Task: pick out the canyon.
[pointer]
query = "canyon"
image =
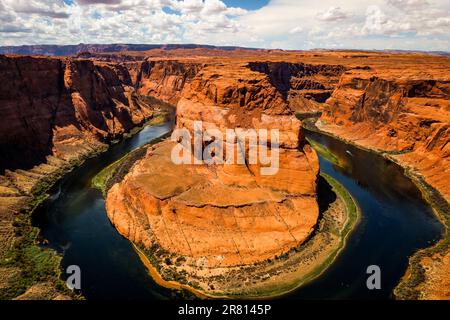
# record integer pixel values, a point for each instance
(55, 114)
(58, 111)
(257, 217)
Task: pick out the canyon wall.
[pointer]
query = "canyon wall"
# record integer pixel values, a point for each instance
(304, 86)
(404, 114)
(407, 118)
(62, 107)
(54, 114)
(214, 217)
(163, 79)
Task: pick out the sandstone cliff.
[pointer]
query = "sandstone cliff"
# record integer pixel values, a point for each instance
(391, 104)
(54, 113)
(305, 86)
(61, 108)
(219, 216)
(408, 118)
(162, 79)
(403, 111)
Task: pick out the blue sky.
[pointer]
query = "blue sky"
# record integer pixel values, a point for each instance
(247, 4)
(285, 24)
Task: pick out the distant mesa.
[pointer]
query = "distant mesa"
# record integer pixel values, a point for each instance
(71, 50)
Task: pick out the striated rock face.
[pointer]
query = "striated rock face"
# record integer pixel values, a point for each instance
(163, 79)
(55, 113)
(61, 108)
(391, 104)
(304, 85)
(403, 111)
(234, 96)
(218, 216)
(409, 118)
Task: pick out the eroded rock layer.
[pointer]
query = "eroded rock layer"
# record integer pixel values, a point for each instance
(54, 114)
(395, 104)
(407, 117)
(222, 215)
(401, 107)
(62, 107)
(216, 215)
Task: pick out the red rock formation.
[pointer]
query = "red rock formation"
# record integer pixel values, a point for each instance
(216, 216)
(304, 85)
(403, 110)
(61, 107)
(54, 113)
(409, 118)
(163, 79)
(219, 216)
(55, 110)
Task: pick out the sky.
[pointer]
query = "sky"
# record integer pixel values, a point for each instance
(282, 24)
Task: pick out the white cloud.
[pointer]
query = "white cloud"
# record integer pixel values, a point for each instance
(377, 22)
(408, 4)
(333, 14)
(296, 30)
(49, 8)
(88, 2)
(288, 24)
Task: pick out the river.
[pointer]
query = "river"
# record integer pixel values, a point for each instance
(395, 222)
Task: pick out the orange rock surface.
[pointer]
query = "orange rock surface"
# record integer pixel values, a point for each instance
(55, 113)
(63, 108)
(216, 215)
(436, 285)
(405, 114)
(222, 215)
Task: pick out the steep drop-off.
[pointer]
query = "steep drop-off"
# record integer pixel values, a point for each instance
(394, 104)
(408, 118)
(61, 108)
(162, 79)
(220, 216)
(55, 113)
(404, 115)
(304, 86)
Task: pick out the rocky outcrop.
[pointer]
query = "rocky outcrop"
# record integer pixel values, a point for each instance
(305, 86)
(408, 118)
(253, 219)
(61, 108)
(405, 116)
(234, 96)
(55, 113)
(375, 104)
(218, 216)
(162, 79)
